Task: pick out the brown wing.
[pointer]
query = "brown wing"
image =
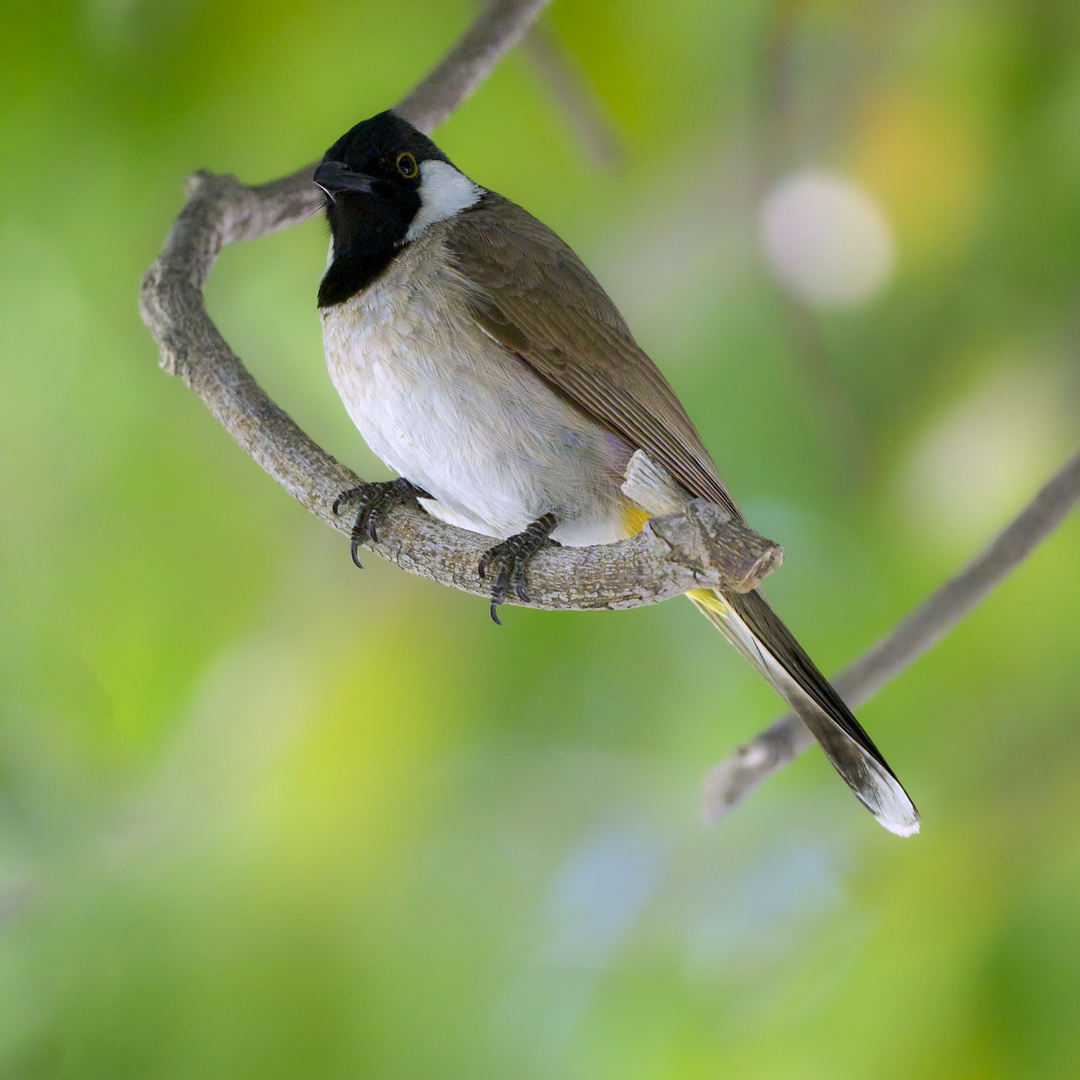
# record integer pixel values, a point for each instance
(536, 297)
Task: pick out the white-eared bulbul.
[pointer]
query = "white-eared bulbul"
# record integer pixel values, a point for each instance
(482, 361)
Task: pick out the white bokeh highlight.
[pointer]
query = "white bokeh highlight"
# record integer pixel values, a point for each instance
(826, 238)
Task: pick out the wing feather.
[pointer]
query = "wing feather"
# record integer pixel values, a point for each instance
(535, 296)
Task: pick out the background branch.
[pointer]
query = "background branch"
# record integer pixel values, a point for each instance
(575, 95)
(753, 762)
(778, 153)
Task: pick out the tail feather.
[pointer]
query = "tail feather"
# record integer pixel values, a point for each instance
(748, 622)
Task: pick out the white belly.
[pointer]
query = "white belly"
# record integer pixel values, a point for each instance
(451, 410)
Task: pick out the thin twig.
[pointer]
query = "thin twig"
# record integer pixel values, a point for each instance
(743, 770)
(575, 96)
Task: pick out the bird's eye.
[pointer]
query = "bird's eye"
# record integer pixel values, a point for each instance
(406, 165)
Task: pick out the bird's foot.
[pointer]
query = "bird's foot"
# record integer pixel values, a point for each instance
(512, 558)
(375, 500)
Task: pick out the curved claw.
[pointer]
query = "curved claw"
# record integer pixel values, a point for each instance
(345, 496)
(375, 499)
(513, 556)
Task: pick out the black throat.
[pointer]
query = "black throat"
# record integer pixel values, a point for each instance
(368, 232)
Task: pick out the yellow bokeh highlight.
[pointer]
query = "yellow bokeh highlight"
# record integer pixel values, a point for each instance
(921, 156)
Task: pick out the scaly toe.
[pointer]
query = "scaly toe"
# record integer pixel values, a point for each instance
(375, 500)
(345, 496)
(513, 556)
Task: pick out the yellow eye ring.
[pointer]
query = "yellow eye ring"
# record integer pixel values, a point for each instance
(406, 165)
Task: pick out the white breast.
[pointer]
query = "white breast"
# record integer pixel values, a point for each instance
(451, 410)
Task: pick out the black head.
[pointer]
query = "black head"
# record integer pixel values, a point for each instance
(371, 177)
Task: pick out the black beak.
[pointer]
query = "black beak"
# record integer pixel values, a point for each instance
(335, 176)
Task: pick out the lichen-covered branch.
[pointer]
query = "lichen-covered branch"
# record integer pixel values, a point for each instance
(753, 762)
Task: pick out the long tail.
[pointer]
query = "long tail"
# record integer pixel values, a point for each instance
(748, 622)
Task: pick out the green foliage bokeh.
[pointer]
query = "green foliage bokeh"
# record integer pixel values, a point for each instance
(264, 816)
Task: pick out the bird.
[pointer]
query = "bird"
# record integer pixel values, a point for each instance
(481, 360)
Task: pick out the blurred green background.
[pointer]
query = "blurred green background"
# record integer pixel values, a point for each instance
(262, 815)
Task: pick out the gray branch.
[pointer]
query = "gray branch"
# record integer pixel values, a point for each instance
(700, 548)
(739, 773)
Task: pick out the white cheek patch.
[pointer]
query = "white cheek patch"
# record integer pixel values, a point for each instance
(443, 192)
